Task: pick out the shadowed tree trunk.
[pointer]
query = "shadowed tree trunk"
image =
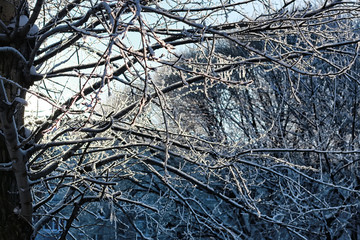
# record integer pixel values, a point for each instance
(15, 197)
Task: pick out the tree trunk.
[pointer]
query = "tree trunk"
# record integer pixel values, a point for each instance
(15, 196)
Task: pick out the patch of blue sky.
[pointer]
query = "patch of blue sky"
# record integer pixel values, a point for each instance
(59, 89)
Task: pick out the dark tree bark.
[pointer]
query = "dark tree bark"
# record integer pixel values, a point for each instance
(15, 196)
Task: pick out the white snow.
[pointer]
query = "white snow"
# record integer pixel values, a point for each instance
(33, 30)
(21, 101)
(11, 26)
(23, 19)
(33, 71)
(27, 132)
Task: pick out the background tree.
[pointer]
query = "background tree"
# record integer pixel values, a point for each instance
(279, 121)
(273, 148)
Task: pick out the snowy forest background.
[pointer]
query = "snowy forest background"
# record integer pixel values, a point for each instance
(179, 119)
